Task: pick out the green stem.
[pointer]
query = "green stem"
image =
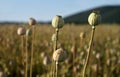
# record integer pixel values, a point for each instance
(33, 38)
(89, 50)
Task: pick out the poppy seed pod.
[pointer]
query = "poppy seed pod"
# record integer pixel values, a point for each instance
(94, 18)
(21, 31)
(57, 22)
(59, 55)
(32, 21)
(28, 32)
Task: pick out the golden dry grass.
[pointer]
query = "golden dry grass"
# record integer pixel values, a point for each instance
(106, 37)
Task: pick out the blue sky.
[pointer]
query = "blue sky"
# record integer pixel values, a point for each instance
(44, 10)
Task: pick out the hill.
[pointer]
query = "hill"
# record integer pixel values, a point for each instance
(110, 14)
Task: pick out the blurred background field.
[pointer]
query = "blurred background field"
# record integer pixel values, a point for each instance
(74, 37)
(104, 59)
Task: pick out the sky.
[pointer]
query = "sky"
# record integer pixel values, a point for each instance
(45, 10)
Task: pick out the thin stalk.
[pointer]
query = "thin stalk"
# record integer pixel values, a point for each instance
(55, 45)
(26, 56)
(73, 62)
(22, 45)
(52, 68)
(57, 69)
(22, 53)
(89, 50)
(55, 48)
(31, 62)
